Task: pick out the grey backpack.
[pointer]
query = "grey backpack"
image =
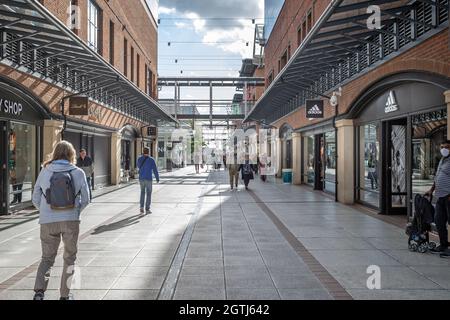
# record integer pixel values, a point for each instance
(61, 195)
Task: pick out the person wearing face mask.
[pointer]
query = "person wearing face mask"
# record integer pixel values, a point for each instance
(441, 188)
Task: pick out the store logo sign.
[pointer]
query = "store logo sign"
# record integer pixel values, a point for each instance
(314, 109)
(391, 104)
(11, 107)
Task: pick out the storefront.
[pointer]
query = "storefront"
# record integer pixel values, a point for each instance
(97, 142)
(400, 124)
(129, 147)
(286, 146)
(21, 121)
(319, 157)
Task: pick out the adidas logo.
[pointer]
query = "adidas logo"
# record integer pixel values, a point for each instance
(391, 104)
(315, 110)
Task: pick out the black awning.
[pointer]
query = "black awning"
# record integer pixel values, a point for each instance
(341, 46)
(34, 41)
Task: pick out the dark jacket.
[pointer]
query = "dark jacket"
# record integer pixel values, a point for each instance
(87, 165)
(252, 168)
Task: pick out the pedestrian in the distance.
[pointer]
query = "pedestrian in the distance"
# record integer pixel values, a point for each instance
(247, 170)
(233, 171)
(85, 163)
(60, 194)
(147, 168)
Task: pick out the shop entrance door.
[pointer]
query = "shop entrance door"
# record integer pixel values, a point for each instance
(319, 166)
(395, 184)
(288, 154)
(3, 169)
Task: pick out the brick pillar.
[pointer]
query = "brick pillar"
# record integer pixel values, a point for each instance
(115, 157)
(345, 161)
(447, 100)
(297, 157)
(51, 136)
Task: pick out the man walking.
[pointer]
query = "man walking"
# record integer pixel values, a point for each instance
(233, 171)
(85, 163)
(147, 167)
(441, 188)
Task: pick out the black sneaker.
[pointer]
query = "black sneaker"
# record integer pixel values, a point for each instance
(439, 249)
(70, 297)
(38, 296)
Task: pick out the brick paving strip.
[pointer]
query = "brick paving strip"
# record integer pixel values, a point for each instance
(328, 281)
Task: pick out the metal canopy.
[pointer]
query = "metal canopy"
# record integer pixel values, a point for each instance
(340, 46)
(34, 41)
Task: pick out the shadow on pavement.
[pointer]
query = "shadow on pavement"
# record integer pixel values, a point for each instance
(118, 224)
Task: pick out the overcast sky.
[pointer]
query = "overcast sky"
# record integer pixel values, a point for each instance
(217, 46)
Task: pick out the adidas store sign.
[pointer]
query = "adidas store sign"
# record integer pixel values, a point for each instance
(314, 109)
(391, 104)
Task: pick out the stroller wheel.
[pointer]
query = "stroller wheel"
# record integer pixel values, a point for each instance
(432, 245)
(413, 247)
(423, 248)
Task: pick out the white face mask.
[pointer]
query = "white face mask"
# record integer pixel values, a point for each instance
(445, 152)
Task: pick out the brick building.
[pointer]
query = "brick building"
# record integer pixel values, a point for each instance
(361, 107)
(81, 70)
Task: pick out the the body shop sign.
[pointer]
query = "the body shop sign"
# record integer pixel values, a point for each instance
(14, 105)
(11, 107)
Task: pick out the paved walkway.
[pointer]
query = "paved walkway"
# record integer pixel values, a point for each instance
(203, 241)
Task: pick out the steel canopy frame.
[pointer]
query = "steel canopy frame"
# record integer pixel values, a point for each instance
(34, 41)
(340, 46)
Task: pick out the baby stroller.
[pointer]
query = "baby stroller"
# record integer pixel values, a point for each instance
(418, 230)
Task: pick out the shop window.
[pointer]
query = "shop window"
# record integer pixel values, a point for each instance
(21, 163)
(330, 162)
(369, 164)
(309, 160)
(429, 130)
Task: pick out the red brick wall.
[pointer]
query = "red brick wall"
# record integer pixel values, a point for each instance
(285, 30)
(130, 20)
(432, 55)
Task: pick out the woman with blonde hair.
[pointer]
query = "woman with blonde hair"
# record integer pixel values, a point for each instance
(60, 194)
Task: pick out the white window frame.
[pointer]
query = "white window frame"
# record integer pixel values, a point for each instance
(93, 27)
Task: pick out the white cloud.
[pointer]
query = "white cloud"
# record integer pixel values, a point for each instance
(165, 10)
(181, 25)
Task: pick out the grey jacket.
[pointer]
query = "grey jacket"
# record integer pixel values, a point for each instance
(46, 214)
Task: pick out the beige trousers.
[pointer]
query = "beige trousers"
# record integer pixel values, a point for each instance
(234, 176)
(51, 235)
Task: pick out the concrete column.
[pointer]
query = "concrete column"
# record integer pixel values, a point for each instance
(345, 161)
(297, 157)
(51, 136)
(279, 156)
(447, 101)
(115, 157)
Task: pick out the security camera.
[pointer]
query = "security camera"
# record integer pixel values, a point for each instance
(334, 98)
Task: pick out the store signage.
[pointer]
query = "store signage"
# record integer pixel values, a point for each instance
(79, 106)
(11, 107)
(151, 131)
(95, 113)
(391, 104)
(314, 109)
